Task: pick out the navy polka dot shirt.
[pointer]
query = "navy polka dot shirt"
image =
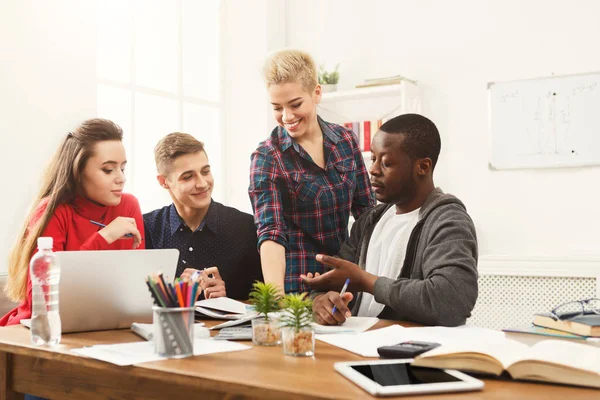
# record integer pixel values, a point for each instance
(225, 239)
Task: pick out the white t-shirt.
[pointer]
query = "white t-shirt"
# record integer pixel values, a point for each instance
(387, 248)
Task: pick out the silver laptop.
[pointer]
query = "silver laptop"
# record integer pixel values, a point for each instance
(102, 290)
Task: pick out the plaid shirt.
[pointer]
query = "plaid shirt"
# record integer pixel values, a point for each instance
(303, 207)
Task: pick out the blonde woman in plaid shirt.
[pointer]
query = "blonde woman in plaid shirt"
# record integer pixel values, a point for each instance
(305, 178)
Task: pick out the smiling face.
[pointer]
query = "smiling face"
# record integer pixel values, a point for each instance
(393, 175)
(294, 108)
(189, 181)
(103, 176)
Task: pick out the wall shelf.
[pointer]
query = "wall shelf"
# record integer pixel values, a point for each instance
(363, 93)
(370, 104)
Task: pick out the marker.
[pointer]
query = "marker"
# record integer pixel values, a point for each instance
(342, 293)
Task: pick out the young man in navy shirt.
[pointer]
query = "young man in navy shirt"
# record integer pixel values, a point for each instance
(217, 240)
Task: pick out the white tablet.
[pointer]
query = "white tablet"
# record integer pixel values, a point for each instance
(398, 377)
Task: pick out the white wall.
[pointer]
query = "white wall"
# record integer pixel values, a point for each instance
(251, 29)
(454, 49)
(47, 86)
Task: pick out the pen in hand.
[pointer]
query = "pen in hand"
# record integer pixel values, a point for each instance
(342, 293)
(104, 226)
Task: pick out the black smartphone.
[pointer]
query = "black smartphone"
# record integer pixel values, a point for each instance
(409, 349)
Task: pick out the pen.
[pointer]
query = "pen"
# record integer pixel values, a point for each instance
(104, 226)
(342, 293)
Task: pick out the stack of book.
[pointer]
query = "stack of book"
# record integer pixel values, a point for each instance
(584, 325)
(389, 80)
(364, 132)
(575, 326)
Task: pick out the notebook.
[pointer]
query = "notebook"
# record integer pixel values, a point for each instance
(555, 361)
(224, 308)
(579, 324)
(146, 331)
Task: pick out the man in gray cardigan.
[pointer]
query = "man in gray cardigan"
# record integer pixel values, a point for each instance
(412, 258)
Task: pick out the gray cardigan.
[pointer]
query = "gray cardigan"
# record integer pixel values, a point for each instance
(438, 281)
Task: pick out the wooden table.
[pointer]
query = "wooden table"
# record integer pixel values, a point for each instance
(259, 373)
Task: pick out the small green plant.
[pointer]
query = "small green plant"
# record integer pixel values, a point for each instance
(298, 311)
(265, 298)
(328, 77)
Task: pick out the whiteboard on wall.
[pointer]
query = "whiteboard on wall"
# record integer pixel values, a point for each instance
(545, 123)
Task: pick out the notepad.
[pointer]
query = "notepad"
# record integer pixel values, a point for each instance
(141, 352)
(352, 325)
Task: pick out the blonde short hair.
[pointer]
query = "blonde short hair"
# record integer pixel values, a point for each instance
(285, 66)
(172, 146)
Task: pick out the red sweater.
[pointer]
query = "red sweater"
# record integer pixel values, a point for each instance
(71, 229)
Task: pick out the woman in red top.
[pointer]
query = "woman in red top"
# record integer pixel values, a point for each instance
(83, 183)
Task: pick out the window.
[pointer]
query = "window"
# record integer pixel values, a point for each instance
(158, 68)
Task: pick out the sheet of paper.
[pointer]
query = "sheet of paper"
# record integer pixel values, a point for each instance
(141, 352)
(352, 325)
(223, 304)
(366, 343)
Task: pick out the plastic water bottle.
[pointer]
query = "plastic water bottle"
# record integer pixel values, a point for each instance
(45, 274)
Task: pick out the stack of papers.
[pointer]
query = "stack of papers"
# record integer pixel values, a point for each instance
(141, 352)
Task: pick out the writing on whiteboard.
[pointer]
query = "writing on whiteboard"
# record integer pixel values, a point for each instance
(549, 122)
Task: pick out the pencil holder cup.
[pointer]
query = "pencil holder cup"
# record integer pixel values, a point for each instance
(173, 331)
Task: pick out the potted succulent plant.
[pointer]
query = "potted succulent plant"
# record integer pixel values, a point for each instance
(298, 333)
(266, 300)
(328, 79)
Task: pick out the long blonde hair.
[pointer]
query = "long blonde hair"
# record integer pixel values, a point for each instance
(61, 183)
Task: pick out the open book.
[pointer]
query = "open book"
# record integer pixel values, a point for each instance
(547, 361)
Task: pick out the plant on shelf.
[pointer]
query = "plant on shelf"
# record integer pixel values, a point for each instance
(328, 79)
(266, 299)
(297, 331)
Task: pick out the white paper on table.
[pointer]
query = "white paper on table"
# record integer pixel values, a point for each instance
(352, 325)
(366, 343)
(141, 352)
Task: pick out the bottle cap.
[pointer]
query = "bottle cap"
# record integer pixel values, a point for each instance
(45, 243)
